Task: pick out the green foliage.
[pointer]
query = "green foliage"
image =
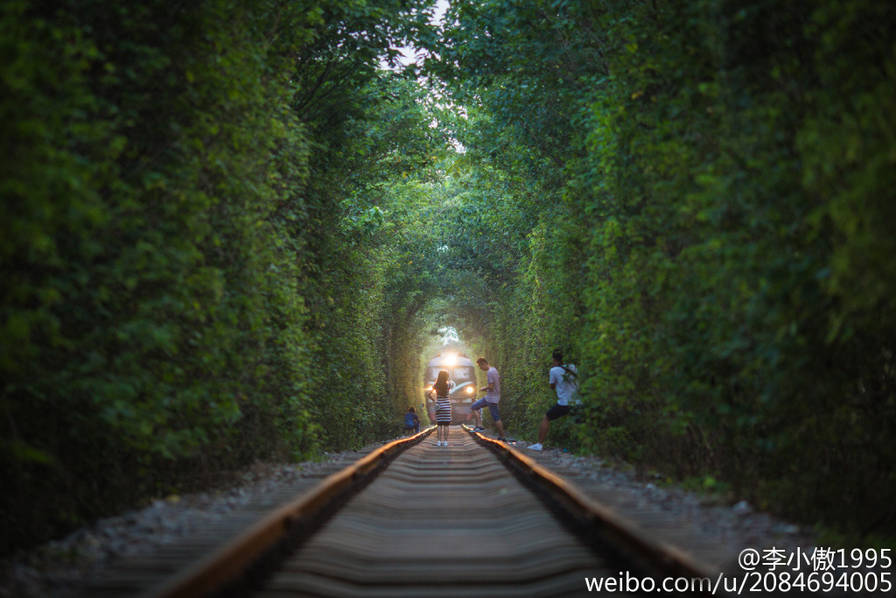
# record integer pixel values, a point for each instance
(173, 243)
(228, 232)
(700, 200)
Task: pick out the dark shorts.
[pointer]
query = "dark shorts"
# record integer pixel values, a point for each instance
(557, 411)
(492, 408)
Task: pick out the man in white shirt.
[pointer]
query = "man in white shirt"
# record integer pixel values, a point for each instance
(563, 380)
(492, 396)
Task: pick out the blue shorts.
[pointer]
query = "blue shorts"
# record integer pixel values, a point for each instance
(492, 408)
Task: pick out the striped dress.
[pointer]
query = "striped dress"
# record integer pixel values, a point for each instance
(443, 410)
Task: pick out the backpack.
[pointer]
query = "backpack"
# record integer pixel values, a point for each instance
(576, 412)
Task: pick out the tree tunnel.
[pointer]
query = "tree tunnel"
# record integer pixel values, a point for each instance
(229, 232)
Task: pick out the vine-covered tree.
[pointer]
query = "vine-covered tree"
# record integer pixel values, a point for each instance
(685, 170)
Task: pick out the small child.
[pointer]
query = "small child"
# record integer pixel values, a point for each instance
(411, 421)
(443, 408)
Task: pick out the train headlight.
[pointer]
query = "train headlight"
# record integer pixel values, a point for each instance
(469, 390)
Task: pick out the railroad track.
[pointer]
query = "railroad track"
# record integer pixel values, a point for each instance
(414, 519)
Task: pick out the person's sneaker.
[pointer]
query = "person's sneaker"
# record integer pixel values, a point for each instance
(479, 429)
(536, 447)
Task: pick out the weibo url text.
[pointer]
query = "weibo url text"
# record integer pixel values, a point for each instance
(773, 570)
(751, 582)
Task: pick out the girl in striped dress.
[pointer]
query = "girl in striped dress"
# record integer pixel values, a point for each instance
(440, 389)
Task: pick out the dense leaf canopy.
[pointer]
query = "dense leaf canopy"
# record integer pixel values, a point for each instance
(229, 231)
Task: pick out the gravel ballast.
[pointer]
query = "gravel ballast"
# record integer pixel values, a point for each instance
(715, 531)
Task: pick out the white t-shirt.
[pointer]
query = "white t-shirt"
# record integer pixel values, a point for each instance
(565, 384)
(492, 377)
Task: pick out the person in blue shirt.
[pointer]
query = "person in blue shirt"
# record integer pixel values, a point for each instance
(411, 421)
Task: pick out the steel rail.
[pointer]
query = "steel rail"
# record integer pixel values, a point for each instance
(594, 522)
(221, 568)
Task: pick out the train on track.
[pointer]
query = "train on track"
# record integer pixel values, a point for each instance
(462, 376)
